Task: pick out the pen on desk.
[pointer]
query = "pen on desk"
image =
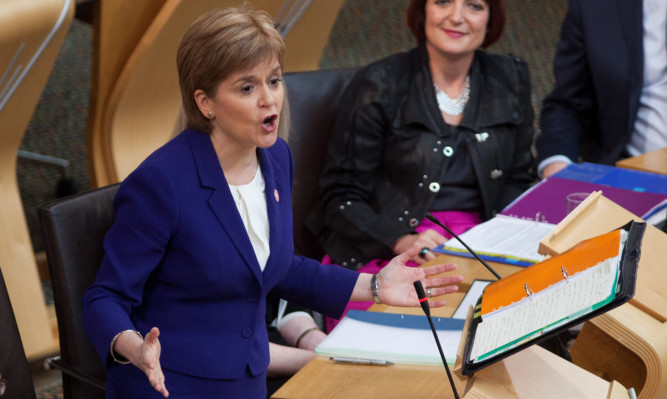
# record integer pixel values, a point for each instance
(356, 360)
(632, 393)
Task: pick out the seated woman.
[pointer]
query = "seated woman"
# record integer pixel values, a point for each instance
(444, 128)
(203, 232)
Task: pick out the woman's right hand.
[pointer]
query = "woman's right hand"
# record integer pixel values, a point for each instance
(145, 354)
(426, 239)
(553, 168)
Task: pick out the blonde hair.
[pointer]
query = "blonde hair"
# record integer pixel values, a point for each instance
(218, 43)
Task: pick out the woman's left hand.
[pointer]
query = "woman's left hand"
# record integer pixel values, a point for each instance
(395, 282)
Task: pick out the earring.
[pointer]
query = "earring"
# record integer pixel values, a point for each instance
(210, 114)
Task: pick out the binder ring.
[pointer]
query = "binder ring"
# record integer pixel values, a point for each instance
(566, 274)
(529, 290)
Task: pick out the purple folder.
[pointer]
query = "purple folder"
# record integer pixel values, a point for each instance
(547, 200)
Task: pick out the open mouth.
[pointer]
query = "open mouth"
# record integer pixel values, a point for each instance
(269, 123)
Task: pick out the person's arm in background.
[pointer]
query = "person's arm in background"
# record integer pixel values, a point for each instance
(568, 112)
(286, 360)
(302, 336)
(553, 165)
(300, 330)
(293, 336)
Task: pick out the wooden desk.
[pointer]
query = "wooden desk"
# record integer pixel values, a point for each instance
(654, 161)
(523, 372)
(520, 373)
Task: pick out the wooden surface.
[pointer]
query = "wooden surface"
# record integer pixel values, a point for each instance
(538, 373)
(135, 91)
(305, 43)
(322, 379)
(27, 26)
(117, 28)
(629, 343)
(518, 376)
(654, 161)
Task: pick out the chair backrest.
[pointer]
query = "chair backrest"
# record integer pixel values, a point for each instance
(313, 98)
(15, 377)
(74, 229)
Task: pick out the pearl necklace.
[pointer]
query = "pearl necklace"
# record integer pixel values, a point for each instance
(453, 106)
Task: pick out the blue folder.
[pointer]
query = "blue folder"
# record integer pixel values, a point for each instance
(612, 176)
(405, 320)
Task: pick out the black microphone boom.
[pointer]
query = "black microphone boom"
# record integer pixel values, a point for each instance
(423, 301)
(436, 221)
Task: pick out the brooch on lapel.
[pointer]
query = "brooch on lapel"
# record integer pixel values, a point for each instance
(275, 194)
(481, 137)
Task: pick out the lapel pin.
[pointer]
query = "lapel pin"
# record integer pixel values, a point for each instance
(495, 174)
(481, 137)
(275, 194)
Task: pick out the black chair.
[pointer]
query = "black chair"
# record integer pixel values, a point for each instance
(15, 378)
(313, 99)
(74, 229)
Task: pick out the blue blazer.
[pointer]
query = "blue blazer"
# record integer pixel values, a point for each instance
(178, 257)
(599, 66)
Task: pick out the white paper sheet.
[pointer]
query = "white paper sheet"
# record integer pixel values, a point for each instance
(355, 338)
(505, 236)
(470, 299)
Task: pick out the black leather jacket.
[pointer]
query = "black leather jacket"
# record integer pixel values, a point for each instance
(386, 150)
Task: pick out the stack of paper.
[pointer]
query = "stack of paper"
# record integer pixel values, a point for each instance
(502, 239)
(393, 337)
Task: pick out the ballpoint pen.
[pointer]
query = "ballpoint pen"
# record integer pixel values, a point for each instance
(356, 360)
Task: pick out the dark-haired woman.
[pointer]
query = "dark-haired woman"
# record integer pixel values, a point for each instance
(444, 128)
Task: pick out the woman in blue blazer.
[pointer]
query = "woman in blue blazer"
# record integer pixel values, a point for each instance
(203, 231)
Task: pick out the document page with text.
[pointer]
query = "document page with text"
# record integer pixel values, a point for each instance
(537, 313)
(504, 236)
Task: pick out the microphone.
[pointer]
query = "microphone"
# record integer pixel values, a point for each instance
(423, 301)
(436, 221)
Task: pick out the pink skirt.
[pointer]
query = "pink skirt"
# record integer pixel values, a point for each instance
(456, 221)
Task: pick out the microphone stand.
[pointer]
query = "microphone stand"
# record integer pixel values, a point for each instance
(436, 221)
(423, 301)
